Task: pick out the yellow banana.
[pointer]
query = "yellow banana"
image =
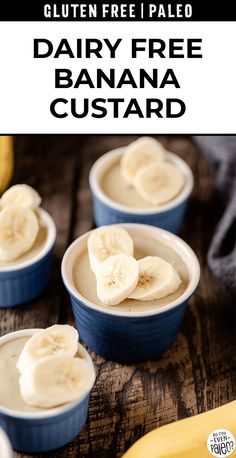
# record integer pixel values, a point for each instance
(188, 438)
(6, 161)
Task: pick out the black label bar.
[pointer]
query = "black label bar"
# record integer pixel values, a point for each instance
(41, 10)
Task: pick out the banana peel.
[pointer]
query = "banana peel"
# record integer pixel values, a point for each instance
(188, 438)
(6, 161)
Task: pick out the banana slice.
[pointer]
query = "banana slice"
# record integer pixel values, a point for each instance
(21, 194)
(54, 380)
(18, 231)
(117, 278)
(159, 183)
(107, 241)
(140, 153)
(157, 279)
(59, 338)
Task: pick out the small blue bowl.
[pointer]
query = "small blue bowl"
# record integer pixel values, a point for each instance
(130, 336)
(106, 211)
(26, 280)
(37, 432)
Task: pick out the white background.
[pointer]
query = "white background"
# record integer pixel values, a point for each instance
(207, 84)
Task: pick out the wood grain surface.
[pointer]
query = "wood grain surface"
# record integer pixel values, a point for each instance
(198, 372)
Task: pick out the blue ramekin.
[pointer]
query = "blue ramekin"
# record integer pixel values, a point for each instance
(130, 336)
(107, 211)
(24, 281)
(5, 446)
(37, 432)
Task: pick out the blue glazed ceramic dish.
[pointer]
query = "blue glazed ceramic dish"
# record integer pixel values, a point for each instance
(24, 281)
(106, 211)
(37, 432)
(130, 336)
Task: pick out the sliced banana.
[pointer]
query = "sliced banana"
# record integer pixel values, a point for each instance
(20, 194)
(54, 380)
(108, 241)
(140, 153)
(117, 278)
(159, 183)
(19, 228)
(157, 279)
(59, 338)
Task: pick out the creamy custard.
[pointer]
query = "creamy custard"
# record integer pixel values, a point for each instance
(9, 376)
(34, 251)
(10, 395)
(118, 190)
(85, 282)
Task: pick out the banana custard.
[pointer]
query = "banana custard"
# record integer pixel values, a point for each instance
(144, 177)
(23, 233)
(129, 273)
(43, 371)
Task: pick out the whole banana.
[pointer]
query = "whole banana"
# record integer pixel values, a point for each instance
(6, 161)
(188, 438)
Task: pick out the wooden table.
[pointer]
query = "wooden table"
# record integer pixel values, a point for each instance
(198, 372)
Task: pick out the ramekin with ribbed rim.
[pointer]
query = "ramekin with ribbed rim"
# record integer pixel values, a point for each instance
(37, 432)
(5, 446)
(24, 281)
(130, 336)
(106, 211)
